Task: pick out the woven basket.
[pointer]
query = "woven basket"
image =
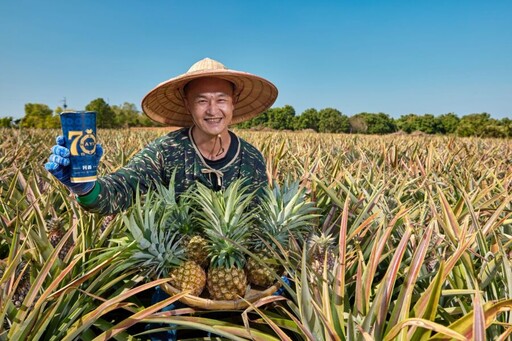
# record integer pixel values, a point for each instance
(208, 304)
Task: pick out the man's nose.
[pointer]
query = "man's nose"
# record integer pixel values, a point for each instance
(212, 107)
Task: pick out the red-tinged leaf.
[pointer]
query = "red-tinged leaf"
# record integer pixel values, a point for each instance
(380, 305)
(88, 319)
(464, 325)
(431, 304)
(421, 305)
(424, 324)
(137, 317)
(268, 320)
(479, 318)
(451, 226)
(403, 302)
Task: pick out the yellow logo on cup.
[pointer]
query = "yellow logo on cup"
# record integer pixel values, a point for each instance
(86, 142)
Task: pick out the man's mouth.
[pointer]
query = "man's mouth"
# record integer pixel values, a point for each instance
(213, 119)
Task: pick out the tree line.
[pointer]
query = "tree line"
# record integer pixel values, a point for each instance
(327, 120)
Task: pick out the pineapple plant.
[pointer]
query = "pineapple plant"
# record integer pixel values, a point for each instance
(182, 219)
(159, 250)
(55, 234)
(226, 218)
(321, 251)
(284, 214)
(23, 278)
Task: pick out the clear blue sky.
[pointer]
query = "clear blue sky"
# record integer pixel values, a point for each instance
(396, 57)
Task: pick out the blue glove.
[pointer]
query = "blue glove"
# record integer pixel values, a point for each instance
(281, 289)
(60, 168)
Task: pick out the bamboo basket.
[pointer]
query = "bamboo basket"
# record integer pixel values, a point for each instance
(208, 304)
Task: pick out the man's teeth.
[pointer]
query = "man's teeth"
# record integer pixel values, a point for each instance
(213, 119)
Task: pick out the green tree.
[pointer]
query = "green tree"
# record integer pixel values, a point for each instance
(104, 113)
(333, 121)
(259, 121)
(408, 123)
(427, 123)
(448, 123)
(281, 118)
(507, 125)
(126, 115)
(36, 116)
(370, 123)
(473, 125)
(307, 120)
(6, 122)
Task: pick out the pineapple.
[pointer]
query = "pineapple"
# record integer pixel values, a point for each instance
(189, 276)
(181, 218)
(226, 220)
(321, 249)
(284, 215)
(55, 234)
(196, 246)
(23, 286)
(157, 249)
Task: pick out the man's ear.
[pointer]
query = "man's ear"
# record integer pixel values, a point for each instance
(186, 102)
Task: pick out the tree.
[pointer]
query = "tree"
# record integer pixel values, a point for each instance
(126, 115)
(6, 122)
(473, 125)
(281, 118)
(259, 121)
(427, 123)
(36, 116)
(407, 123)
(333, 121)
(507, 125)
(307, 120)
(448, 123)
(370, 123)
(104, 113)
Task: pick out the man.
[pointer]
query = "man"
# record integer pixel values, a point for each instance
(204, 101)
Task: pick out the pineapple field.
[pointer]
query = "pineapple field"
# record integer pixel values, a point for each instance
(359, 237)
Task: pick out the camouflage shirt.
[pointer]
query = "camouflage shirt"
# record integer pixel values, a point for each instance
(156, 163)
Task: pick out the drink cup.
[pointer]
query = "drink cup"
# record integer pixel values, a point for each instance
(79, 129)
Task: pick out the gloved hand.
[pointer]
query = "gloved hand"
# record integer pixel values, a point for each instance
(59, 167)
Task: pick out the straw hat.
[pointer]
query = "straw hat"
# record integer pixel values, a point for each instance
(165, 103)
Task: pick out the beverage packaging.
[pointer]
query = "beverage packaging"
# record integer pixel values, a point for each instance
(79, 129)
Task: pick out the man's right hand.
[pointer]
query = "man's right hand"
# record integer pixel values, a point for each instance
(59, 166)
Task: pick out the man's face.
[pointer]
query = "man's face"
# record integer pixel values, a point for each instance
(210, 102)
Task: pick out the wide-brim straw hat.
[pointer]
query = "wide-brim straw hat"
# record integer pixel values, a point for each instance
(253, 94)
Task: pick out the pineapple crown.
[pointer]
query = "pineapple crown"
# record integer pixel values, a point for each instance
(153, 246)
(181, 216)
(284, 212)
(226, 218)
(321, 242)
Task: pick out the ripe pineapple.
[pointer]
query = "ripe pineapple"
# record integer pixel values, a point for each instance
(189, 276)
(196, 245)
(284, 214)
(182, 219)
(226, 220)
(321, 248)
(24, 285)
(158, 249)
(55, 233)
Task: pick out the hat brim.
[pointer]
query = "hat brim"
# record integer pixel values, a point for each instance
(164, 104)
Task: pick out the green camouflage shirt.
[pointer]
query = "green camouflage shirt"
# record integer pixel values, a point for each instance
(156, 163)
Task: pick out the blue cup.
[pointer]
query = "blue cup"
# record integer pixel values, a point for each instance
(79, 130)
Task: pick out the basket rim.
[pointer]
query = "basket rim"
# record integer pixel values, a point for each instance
(209, 304)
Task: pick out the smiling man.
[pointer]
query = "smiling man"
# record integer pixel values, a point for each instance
(205, 101)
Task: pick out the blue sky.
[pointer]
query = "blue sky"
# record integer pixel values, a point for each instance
(396, 57)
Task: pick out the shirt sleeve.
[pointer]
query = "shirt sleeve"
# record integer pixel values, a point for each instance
(117, 190)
